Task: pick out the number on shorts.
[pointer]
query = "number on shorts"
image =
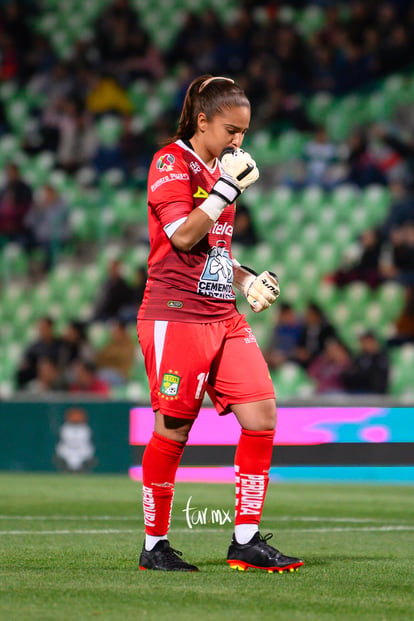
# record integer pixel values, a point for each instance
(202, 379)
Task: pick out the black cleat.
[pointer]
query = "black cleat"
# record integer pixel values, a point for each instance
(164, 558)
(258, 554)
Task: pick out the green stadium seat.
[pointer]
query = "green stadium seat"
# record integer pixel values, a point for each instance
(291, 381)
(282, 198)
(391, 298)
(380, 106)
(312, 199)
(338, 124)
(109, 129)
(344, 199)
(327, 295)
(13, 261)
(290, 145)
(311, 19)
(376, 200)
(319, 105)
(395, 87)
(9, 147)
(136, 391)
(401, 381)
(98, 334)
(357, 296)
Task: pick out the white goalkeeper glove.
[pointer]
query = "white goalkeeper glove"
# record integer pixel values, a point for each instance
(260, 290)
(240, 166)
(239, 171)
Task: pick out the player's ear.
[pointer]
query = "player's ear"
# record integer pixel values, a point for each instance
(202, 122)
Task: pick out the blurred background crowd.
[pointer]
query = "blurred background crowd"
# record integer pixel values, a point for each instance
(88, 91)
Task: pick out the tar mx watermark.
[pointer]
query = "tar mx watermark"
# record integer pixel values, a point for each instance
(195, 516)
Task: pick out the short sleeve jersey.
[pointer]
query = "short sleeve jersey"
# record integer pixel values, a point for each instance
(194, 286)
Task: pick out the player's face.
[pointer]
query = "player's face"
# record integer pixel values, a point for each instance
(226, 129)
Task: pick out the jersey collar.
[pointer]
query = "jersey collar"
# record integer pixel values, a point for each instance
(187, 146)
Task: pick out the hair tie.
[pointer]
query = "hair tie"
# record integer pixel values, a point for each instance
(206, 82)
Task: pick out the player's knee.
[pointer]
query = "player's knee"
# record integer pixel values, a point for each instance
(268, 420)
(176, 429)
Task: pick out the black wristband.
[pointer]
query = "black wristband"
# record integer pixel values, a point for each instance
(227, 190)
(248, 269)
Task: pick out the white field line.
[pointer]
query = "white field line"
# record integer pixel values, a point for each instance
(138, 518)
(209, 531)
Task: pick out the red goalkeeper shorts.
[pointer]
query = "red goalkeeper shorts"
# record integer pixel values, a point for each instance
(184, 360)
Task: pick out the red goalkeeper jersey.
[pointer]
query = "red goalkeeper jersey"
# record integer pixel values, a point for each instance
(191, 286)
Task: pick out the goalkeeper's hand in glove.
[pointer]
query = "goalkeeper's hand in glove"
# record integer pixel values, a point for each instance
(260, 290)
(239, 171)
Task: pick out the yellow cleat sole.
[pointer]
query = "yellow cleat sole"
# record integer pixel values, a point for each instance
(240, 567)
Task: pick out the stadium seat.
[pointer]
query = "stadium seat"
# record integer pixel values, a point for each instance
(391, 297)
(344, 198)
(357, 297)
(290, 145)
(376, 200)
(109, 130)
(291, 381)
(401, 381)
(319, 105)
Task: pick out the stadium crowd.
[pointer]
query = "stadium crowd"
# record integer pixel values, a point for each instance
(278, 66)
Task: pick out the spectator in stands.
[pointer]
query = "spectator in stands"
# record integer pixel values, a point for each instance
(15, 202)
(74, 345)
(48, 378)
(128, 313)
(281, 110)
(368, 372)
(395, 50)
(404, 324)
(86, 380)
(4, 125)
(134, 145)
(112, 29)
(366, 267)
(323, 69)
(109, 155)
(58, 82)
(47, 224)
(321, 155)
(285, 336)
(402, 147)
(115, 294)
(244, 230)
(196, 30)
(362, 167)
(46, 346)
(353, 66)
(106, 95)
(316, 330)
(9, 60)
(143, 59)
(116, 359)
(77, 140)
(401, 210)
(328, 368)
(402, 254)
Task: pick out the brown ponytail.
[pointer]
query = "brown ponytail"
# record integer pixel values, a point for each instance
(208, 94)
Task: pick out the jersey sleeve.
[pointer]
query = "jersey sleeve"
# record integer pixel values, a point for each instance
(169, 189)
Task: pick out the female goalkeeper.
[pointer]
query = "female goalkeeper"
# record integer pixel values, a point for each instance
(193, 337)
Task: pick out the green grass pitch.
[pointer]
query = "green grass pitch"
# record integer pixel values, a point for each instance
(69, 548)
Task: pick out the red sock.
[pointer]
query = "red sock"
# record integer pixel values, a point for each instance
(159, 466)
(252, 463)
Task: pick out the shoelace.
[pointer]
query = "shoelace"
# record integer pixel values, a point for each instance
(265, 538)
(171, 555)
